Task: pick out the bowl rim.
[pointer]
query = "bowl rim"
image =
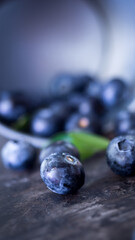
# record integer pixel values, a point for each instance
(14, 135)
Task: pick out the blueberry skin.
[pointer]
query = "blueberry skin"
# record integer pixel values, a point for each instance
(12, 106)
(18, 155)
(121, 155)
(59, 147)
(45, 123)
(74, 100)
(113, 93)
(90, 106)
(61, 109)
(62, 173)
(124, 122)
(93, 89)
(117, 123)
(65, 84)
(82, 122)
(85, 104)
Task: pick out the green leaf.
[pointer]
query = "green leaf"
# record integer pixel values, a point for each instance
(22, 124)
(87, 144)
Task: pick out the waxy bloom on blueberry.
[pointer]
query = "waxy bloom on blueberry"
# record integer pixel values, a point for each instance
(62, 173)
(121, 155)
(18, 155)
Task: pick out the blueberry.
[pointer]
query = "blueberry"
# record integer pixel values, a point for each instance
(45, 123)
(74, 100)
(131, 132)
(12, 106)
(62, 173)
(82, 122)
(113, 93)
(93, 89)
(61, 109)
(85, 104)
(65, 84)
(59, 147)
(18, 155)
(118, 123)
(121, 155)
(124, 122)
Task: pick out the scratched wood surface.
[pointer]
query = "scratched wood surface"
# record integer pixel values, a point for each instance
(104, 209)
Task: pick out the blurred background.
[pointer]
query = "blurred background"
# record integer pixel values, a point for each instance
(40, 39)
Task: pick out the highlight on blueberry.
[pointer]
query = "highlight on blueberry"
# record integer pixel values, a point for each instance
(45, 123)
(18, 155)
(114, 92)
(62, 173)
(59, 147)
(82, 122)
(12, 106)
(121, 155)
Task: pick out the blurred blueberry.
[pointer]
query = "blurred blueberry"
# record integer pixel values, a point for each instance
(124, 122)
(93, 89)
(65, 84)
(113, 93)
(45, 123)
(82, 122)
(62, 173)
(121, 155)
(85, 104)
(61, 109)
(12, 106)
(18, 155)
(59, 147)
(131, 132)
(117, 123)
(75, 99)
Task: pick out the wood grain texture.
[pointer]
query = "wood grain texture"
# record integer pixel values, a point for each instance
(104, 209)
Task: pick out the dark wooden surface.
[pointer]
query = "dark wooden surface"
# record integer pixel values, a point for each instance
(104, 209)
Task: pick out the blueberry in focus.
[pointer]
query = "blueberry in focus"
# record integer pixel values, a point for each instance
(82, 122)
(113, 93)
(62, 173)
(12, 106)
(59, 147)
(45, 123)
(121, 155)
(18, 155)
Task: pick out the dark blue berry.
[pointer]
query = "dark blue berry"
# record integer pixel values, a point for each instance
(93, 89)
(62, 173)
(113, 93)
(61, 109)
(18, 155)
(118, 123)
(65, 84)
(59, 147)
(124, 122)
(45, 123)
(121, 155)
(12, 106)
(74, 100)
(85, 104)
(82, 122)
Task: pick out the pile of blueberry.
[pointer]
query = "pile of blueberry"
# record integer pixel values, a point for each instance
(73, 103)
